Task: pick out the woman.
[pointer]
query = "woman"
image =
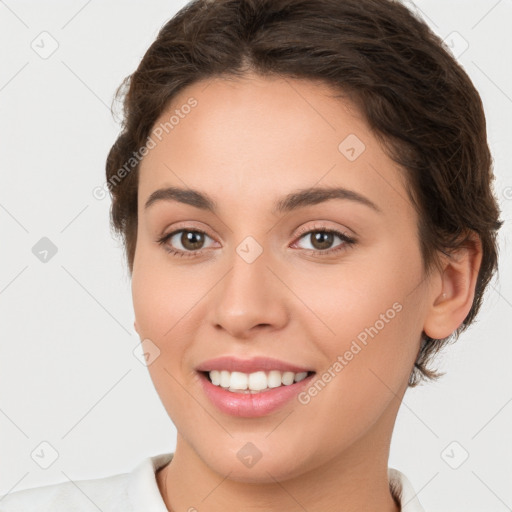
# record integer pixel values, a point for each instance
(304, 193)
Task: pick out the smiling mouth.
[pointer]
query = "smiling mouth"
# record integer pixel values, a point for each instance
(256, 382)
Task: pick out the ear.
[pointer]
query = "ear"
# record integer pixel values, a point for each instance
(452, 296)
(135, 327)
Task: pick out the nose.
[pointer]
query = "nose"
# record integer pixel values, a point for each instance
(249, 298)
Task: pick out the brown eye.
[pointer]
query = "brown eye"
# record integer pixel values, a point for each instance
(322, 240)
(191, 240)
(184, 242)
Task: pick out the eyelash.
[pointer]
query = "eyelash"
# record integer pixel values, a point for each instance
(347, 241)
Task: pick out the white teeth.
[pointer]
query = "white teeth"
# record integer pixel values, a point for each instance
(225, 377)
(287, 378)
(240, 382)
(215, 377)
(257, 381)
(300, 376)
(274, 379)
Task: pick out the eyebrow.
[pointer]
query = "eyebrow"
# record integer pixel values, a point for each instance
(293, 201)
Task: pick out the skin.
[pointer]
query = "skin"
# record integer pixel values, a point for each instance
(247, 143)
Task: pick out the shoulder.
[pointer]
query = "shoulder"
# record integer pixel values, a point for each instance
(107, 494)
(125, 492)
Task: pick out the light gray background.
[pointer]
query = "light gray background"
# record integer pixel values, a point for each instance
(68, 374)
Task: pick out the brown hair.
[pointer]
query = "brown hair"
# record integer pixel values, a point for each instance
(414, 95)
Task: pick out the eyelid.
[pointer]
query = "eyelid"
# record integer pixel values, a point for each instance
(322, 227)
(185, 226)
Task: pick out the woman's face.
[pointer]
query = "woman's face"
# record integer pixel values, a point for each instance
(263, 281)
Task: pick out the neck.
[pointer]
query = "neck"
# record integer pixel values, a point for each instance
(354, 480)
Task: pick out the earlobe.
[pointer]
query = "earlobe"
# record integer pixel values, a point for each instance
(452, 302)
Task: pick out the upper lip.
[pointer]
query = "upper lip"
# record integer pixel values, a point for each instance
(234, 364)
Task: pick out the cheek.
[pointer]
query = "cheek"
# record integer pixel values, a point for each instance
(162, 299)
(162, 292)
(169, 305)
(367, 288)
(369, 359)
(371, 312)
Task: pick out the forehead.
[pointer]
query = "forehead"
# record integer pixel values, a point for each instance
(257, 137)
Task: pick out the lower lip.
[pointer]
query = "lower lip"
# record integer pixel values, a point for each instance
(251, 405)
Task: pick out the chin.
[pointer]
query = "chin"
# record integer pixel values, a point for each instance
(259, 466)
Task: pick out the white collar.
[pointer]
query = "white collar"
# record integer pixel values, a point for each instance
(403, 489)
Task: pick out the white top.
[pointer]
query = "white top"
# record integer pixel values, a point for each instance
(138, 491)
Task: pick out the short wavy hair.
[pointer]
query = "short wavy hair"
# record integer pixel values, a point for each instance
(414, 95)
